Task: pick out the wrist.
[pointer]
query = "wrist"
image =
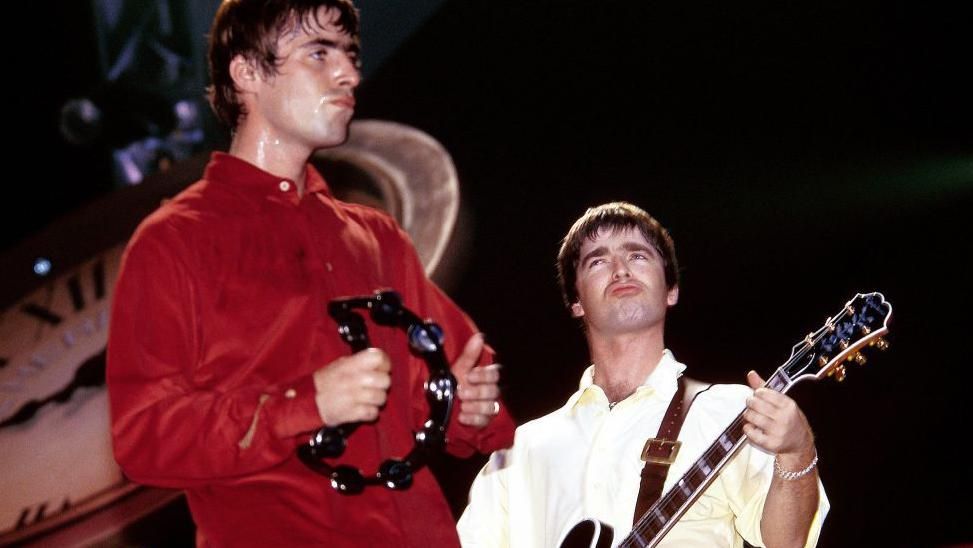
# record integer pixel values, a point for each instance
(788, 471)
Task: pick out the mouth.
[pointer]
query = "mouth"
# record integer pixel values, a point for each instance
(344, 101)
(619, 289)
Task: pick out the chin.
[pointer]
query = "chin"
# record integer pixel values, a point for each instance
(332, 140)
(633, 319)
(328, 133)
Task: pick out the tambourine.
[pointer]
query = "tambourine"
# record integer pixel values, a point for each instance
(426, 340)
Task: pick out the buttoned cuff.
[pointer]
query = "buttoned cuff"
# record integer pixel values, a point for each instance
(462, 440)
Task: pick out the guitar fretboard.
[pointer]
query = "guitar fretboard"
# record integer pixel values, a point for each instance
(671, 506)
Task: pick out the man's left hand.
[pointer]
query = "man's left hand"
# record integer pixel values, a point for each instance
(478, 391)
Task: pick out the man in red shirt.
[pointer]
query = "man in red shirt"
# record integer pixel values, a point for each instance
(222, 358)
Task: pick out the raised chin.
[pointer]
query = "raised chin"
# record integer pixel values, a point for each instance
(633, 313)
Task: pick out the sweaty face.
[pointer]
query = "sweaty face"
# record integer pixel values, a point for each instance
(310, 101)
(621, 283)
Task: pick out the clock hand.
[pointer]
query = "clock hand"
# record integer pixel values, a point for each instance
(91, 373)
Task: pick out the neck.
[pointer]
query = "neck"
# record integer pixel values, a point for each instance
(270, 153)
(624, 361)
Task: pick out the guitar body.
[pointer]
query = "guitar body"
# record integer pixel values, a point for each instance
(589, 533)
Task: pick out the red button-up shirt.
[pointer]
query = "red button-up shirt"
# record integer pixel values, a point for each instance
(218, 323)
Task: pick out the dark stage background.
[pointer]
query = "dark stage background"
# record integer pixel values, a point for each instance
(799, 153)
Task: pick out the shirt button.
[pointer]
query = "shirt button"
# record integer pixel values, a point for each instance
(284, 186)
(290, 394)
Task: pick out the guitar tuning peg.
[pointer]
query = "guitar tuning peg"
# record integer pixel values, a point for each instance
(859, 358)
(881, 344)
(839, 373)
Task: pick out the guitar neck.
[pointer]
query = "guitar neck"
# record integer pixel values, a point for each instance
(860, 323)
(657, 520)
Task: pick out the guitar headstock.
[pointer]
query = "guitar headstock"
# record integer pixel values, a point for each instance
(861, 323)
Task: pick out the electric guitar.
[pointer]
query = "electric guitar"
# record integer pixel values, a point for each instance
(823, 353)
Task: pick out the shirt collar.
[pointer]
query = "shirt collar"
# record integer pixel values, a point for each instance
(250, 179)
(661, 381)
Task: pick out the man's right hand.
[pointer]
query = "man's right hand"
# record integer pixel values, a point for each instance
(353, 388)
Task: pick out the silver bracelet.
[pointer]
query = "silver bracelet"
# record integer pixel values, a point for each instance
(790, 476)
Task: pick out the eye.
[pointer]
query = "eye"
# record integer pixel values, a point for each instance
(640, 256)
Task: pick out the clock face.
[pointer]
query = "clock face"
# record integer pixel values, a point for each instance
(55, 446)
(59, 483)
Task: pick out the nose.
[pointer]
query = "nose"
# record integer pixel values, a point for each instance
(620, 269)
(346, 73)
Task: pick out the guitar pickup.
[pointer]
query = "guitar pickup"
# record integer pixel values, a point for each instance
(659, 451)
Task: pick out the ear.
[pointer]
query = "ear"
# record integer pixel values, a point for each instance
(577, 310)
(672, 297)
(244, 73)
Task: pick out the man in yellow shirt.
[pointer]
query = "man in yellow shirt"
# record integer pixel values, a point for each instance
(619, 275)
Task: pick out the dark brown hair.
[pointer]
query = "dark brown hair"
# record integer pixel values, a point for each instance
(612, 216)
(251, 28)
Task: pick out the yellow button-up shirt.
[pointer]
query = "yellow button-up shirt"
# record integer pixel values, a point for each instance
(582, 461)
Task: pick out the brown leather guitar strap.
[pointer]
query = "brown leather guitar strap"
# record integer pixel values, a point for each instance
(659, 452)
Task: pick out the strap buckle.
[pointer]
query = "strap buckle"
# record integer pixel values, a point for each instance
(672, 447)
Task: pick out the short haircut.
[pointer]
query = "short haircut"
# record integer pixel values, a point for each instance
(612, 216)
(251, 28)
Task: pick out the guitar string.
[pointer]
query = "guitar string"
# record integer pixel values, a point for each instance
(644, 523)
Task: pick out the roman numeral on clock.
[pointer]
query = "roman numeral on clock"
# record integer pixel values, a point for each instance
(41, 313)
(34, 514)
(76, 293)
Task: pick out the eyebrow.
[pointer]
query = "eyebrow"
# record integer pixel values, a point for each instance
(602, 250)
(350, 47)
